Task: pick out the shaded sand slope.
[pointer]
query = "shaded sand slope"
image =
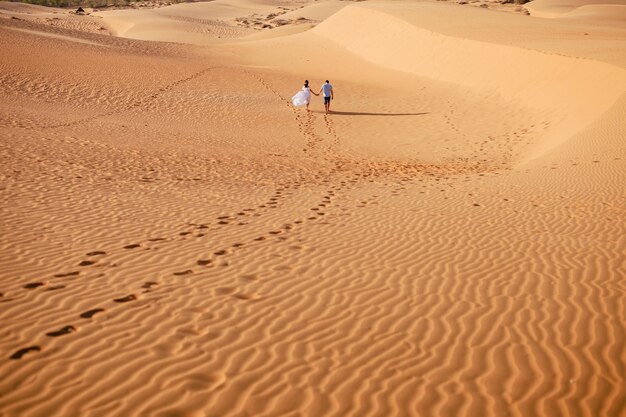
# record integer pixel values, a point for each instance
(176, 240)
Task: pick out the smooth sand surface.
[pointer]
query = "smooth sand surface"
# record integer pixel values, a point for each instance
(178, 240)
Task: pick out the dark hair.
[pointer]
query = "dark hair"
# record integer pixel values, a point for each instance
(306, 83)
(327, 81)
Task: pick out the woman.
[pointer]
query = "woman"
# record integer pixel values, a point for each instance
(303, 97)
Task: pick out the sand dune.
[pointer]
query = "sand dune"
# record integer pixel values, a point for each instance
(178, 240)
(225, 20)
(560, 9)
(529, 79)
(602, 13)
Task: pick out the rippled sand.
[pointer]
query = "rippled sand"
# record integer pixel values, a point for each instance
(178, 240)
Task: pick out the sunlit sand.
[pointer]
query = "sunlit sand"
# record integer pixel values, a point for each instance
(179, 240)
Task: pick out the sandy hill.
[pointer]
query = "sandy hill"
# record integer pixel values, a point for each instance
(178, 240)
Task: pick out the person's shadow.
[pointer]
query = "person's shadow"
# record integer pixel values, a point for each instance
(354, 113)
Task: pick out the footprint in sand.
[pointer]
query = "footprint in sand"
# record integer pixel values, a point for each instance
(126, 299)
(226, 290)
(96, 253)
(156, 239)
(185, 272)
(251, 277)
(198, 382)
(67, 274)
(90, 313)
(204, 262)
(55, 287)
(283, 268)
(247, 296)
(149, 284)
(24, 351)
(62, 331)
(32, 285)
(86, 263)
(132, 246)
(220, 252)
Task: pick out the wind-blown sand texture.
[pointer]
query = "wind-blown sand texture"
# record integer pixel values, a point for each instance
(178, 240)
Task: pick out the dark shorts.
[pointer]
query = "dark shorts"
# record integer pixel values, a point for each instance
(326, 100)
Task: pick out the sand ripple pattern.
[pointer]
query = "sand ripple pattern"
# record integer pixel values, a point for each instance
(153, 265)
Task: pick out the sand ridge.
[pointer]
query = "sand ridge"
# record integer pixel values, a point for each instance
(177, 239)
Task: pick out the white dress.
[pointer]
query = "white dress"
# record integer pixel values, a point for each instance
(302, 97)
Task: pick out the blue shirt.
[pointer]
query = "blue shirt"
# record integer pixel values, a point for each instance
(326, 88)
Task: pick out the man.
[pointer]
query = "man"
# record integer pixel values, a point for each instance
(327, 89)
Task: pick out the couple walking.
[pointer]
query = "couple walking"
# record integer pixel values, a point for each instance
(303, 97)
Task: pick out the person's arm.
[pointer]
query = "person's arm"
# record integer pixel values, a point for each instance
(332, 94)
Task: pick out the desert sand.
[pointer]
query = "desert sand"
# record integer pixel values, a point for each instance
(178, 240)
